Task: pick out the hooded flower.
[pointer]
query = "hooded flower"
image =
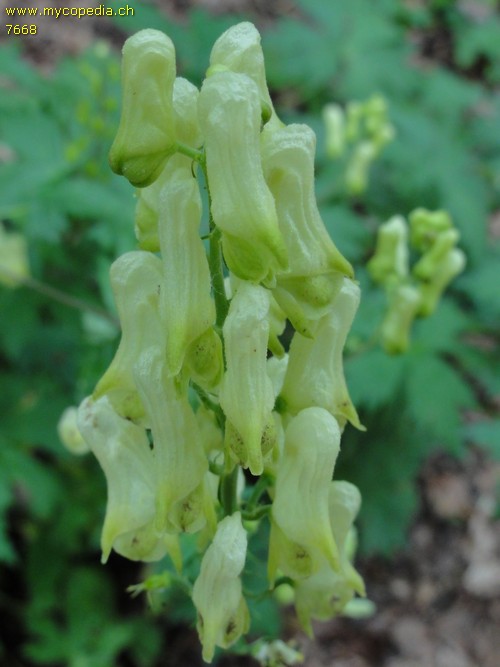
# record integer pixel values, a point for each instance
(301, 534)
(187, 307)
(123, 451)
(325, 593)
(146, 134)
(390, 260)
(187, 131)
(404, 302)
(181, 463)
(217, 594)
(242, 205)
(246, 393)
(315, 373)
(452, 264)
(239, 50)
(136, 280)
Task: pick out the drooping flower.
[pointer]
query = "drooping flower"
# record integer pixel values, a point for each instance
(326, 592)
(146, 134)
(239, 50)
(181, 463)
(242, 205)
(123, 451)
(136, 280)
(187, 132)
(315, 373)
(217, 593)
(246, 393)
(301, 534)
(390, 261)
(186, 306)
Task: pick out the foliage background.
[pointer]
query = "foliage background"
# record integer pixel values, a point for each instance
(438, 65)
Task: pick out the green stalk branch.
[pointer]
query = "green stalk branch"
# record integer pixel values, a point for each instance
(59, 296)
(228, 495)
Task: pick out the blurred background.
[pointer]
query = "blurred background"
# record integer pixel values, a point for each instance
(428, 466)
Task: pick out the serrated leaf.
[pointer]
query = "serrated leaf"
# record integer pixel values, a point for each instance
(441, 331)
(374, 377)
(436, 395)
(487, 435)
(383, 464)
(298, 56)
(348, 231)
(481, 284)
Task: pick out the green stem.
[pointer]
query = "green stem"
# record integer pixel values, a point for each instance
(211, 405)
(228, 487)
(193, 153)
(257, 513)
(61, 297)
(215, 263)
(228, 483)
(215, 260)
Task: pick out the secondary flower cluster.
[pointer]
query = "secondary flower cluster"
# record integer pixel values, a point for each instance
(201, 385)
(416, 293)
(362, 131)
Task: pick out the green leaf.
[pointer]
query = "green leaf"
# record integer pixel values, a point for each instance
(481, 284)
(374, 377)
(441, 332)
(436, 395)
(348, 230)
(383, 464)
(487, 435)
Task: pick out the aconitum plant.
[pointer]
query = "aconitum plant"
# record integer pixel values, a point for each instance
(205, 422)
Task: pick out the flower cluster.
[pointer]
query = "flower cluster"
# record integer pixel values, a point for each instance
(201, 385)
(362, 130)
(414, 293)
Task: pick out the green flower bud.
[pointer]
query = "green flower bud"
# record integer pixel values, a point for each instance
(242, 205)
(239, 50)
(430, 292)
(356, 176)
(217, 593)
(69, 434)
(391, 254)
(354, 115)
(146, 136)
(186, 306)
(426, 226)
(136, 278)
(404, 303)
(181, 463)
(123, 451)
(205, 360)
(14, 263)
(315, 374)
(246, 393)
(334, 120)
(301, 534)
(430, 262)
